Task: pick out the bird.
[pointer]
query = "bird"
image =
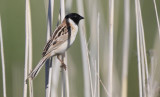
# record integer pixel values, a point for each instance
(61, 39)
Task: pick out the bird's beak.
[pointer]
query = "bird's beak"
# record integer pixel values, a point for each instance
(82, 17)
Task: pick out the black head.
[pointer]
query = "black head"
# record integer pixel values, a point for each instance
(75, 17)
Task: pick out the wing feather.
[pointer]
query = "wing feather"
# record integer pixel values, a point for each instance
(60, 35)
(57, 43)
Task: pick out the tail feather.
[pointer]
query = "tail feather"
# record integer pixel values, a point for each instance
(36, 70)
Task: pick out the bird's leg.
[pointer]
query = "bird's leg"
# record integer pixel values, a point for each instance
(62, 62)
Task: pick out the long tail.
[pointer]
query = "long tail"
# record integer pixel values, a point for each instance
(36, 70)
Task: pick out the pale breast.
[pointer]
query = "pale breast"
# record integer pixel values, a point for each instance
(62, 48)
(74, 31)
(67, 44)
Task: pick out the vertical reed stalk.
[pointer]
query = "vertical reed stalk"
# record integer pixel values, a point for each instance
(30, 48)
(3, 62)
(138, 48)
(111, 33)
(50, 18)
(64, 79)
(48, 66)
(67, 83)
(93, 44)
(155, 7)
(125, 48)
(55, 78)
(69, 5)
(142, 48)
(98, 83)
(62, 10)
(146, 75)
(142, 65)
(27, 49)
(25, 67)
(84, 50)
(143, 56)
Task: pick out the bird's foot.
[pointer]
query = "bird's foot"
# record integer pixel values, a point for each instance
(63, 66)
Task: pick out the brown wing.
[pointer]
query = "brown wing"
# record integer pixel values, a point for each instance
(60, 35)
(46, 47)
(57, 43)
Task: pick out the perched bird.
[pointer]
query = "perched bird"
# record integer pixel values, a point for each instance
(61, 39)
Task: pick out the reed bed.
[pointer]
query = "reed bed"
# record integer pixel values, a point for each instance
(3, 61)
(116, 51)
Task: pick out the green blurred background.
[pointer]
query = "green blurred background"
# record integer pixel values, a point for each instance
(13, 26)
